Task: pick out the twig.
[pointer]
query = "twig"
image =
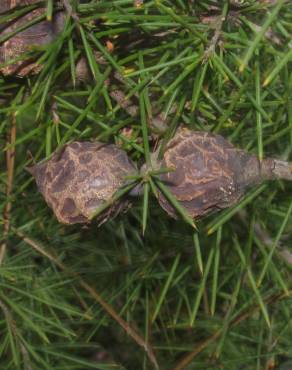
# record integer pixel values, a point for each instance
(10, 162)
(106, 306)
(212, 45)
(70, 11)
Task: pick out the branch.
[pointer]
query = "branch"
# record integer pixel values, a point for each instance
(10, 163)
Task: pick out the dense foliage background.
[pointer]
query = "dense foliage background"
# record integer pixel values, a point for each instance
(75, 297)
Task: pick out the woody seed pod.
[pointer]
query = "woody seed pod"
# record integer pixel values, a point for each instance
(36, 36)
(7, 5)
(80, 178)
(211, 174)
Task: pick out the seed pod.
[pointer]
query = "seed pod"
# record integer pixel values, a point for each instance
(7, 5)
(35, 36)
(211, 174)
(80, 178)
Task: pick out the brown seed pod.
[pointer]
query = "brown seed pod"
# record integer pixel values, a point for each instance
(33, 37)
(211, 174)
(81, 177)
(7, 5)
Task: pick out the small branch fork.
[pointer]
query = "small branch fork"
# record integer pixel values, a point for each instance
(212, 45)
(10, 163)
(218, 23)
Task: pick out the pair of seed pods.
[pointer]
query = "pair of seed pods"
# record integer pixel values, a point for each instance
(207, 174)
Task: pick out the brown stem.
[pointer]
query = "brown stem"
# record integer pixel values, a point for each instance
(256, 171)
(10, 161)
(282, 170)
